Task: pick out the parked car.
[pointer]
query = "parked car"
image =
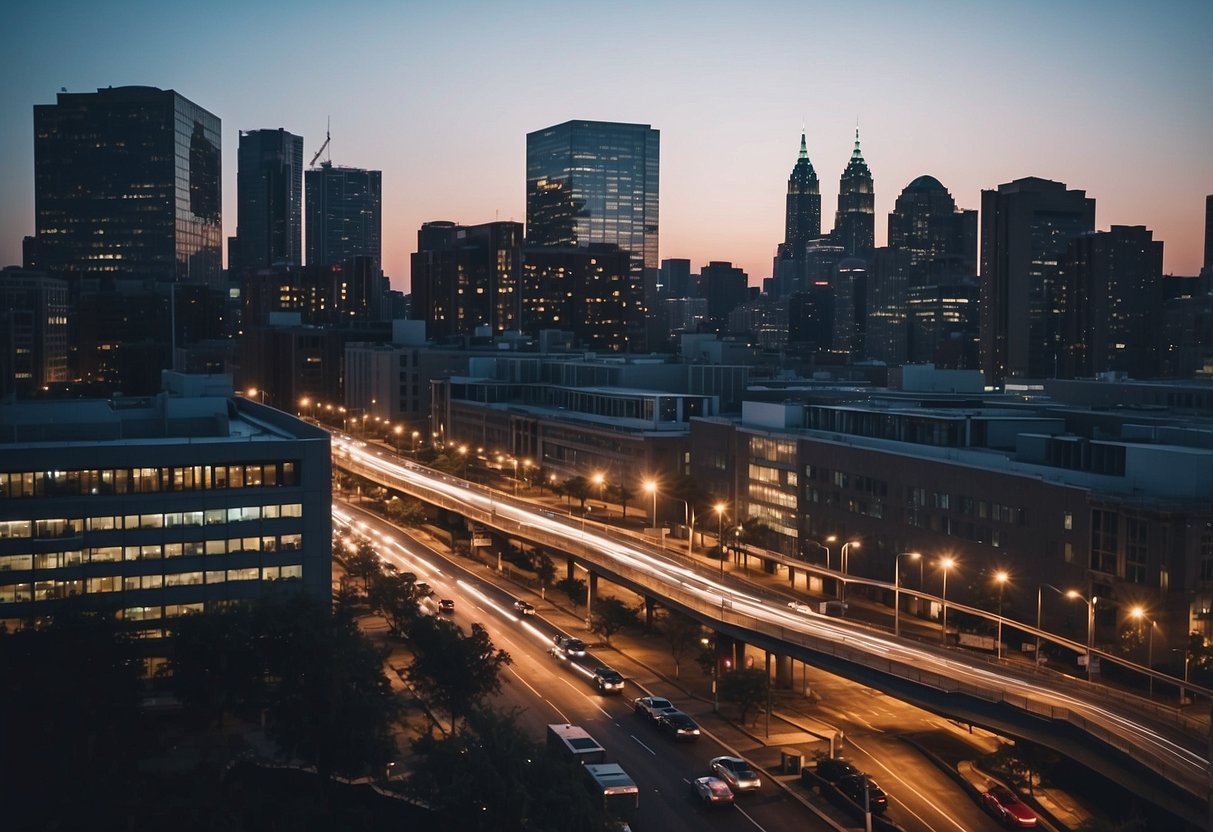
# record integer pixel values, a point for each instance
(832, 770)
(447, 606)
(713, 791)
(737, 773)
(423, 589)
(652, 707)
(853, 786)
(678, 725)
(1005, 805)
(524, 608)
(607, 680)
(569, 646)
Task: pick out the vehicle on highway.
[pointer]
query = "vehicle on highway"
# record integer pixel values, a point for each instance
(619, 794)
(713, 791)
(576, 743)
(853, 787)
(737, 773)
(1003, 804)
(678, 725)
(832, 769)
(524, 608)
(652, 707)
(423, 589)
(446, 606)
(569, 646)
(607, 680)
(799, 607)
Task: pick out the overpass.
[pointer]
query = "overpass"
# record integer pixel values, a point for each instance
(1158, 752)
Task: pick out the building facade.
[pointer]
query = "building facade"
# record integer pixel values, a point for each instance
(344, 215)
(940, 239)
(127, 185)
(269, 201)
(855, 221)
(158, 507)
(1026, 228)
(33, 332)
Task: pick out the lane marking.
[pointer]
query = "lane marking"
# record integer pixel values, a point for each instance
(746, 815)
(642, 745)
(913, 789)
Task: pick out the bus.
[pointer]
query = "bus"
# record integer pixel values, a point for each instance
(575, 743)
(620, 796)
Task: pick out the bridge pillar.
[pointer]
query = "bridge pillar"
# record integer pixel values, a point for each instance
(593, 586)
(649, 605)
(783, 672)
(740, 656)
(725, 654)
(568, 572)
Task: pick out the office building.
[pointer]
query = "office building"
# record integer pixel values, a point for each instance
(465, 278)
(726, 287)
(344, 215)
(269, 201)
(675, 278)
(850, 307)
(585, 290)
(593, 182)
(1113, 303)
(944, 324)
(940, 238)
(127, 185)
(886, 329)
(1026, 228)
(855, 221)
(160, 506)
(33, 332)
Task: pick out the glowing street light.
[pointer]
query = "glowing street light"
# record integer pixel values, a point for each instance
(650, 488)
(945, 564)
(719, 509)
(842, 587)
(416, 436)
(1138, 613)
(897, 588)
(398, 430)
(1075, 595)
(1000, 577)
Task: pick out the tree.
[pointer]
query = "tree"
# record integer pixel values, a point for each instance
(682, 634)
(406, 511)
(746, 688)
(545, 573)
(1023, 763)
(363, 563)
(621, 494)
(574, 588)
(394, 595)
(579, 488)
(452, 670)
(611, 615)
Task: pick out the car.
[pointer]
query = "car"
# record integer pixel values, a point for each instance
(446, 605)
(1005, 805)
(737, 773)
(853, 787)
(569, 646)
(423, 589)
(678, 725)
(652, 706)
(713, 791)
(524, 608)
(607, 680)
(797, 606)
(832, 770)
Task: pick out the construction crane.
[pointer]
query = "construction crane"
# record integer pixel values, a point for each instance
(327, 137)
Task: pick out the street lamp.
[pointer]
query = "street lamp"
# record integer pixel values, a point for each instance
(398, 430)
(650, 488)
(1000, 577)
(303, 403)
(897, 588)
(842, 587)
(1139, 613)
(1039, 592)
(515, 461)
(253, 391)
(416, 436)
(945, 564)
(719, 509)
(599, 480)
(1075, 595)
(690, 518)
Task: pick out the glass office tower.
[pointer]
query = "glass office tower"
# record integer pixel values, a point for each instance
(269, 201)
(127, 185)
(344, 215)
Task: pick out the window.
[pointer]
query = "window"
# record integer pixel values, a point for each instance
(1103, 540)
(1136, 549)
(1067, 521)
(1206, 557)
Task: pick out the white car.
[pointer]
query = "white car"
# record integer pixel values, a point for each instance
(737, 773)
(713, 791)
(803, 609)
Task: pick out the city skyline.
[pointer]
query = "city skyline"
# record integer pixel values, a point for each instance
(441, 102)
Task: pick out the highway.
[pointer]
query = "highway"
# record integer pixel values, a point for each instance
(1167, 749)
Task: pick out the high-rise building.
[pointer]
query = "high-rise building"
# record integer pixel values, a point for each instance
(940, 239)
(850, 307)
(592, 182)
(1209, 232)
(886, 329)
(726, 287)
(1026, 228)
(1113, 304)
(584, 290)
(127, 185)
(855, 222)
(675, 278)
(466, 277)
(269, 201)
(802, 223)
(344, 214)
(33, 331)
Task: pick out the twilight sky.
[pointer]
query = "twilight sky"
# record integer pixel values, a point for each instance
(1112, 97)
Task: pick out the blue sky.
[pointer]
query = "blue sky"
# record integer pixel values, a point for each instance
(1111, 97)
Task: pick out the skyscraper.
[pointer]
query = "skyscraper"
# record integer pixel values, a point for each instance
(940, 239)
(344, 215)
(855, 222)
(1209, 232)
(269, 201)
(1026, 228)
(802, 223)
(591, 182)
(127, 185)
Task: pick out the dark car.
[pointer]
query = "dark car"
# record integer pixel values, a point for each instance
(832, 770)
(679, 726)
(1003, 804)
(853, 787)
(447, 606)
(524, 608)
(607, 680)
(423, 589)
(568, 646)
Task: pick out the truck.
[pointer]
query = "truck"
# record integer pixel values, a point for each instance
(620, 796)
(575, 743)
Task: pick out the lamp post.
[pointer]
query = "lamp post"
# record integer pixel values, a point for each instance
(1039, 594)
(399, 431)
(599, 480)
(897, 588)
(1000, 577)
(1139, 613)
(842, 587)
(690, 518)
(719, 509)
(650, 488)
(515, 461)
(945, 564)
(416, 436)
(1074, 594)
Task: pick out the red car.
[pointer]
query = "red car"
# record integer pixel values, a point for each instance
(1004, 805)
